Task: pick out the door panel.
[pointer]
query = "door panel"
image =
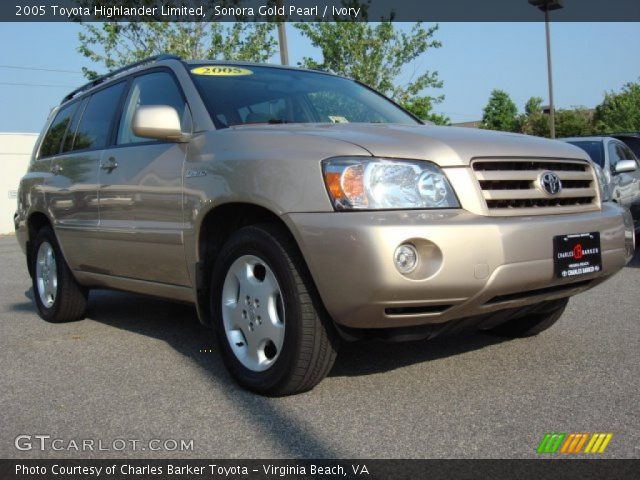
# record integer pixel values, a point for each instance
(72, 196)
(141, 211)
(71, 187)
(141, 219)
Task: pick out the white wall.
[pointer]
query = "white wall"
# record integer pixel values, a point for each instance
(15, 153)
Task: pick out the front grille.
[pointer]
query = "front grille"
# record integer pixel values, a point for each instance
(509, 186)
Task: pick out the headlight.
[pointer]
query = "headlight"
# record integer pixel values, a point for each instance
(603, 183)
(364, 183)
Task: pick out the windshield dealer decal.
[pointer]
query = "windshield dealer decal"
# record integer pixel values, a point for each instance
(221, 71)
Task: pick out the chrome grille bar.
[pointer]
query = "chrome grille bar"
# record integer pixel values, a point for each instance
(511, 186)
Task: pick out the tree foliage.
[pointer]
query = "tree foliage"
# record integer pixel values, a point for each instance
(422, 107)
(619, 112)
(117, 43)
(376, 54)
(500, 112)
(534, 121)
(574, 122)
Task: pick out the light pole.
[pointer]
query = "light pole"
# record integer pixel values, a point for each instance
(546, 6)
(282, 38)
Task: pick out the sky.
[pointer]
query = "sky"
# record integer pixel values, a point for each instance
(589, 59)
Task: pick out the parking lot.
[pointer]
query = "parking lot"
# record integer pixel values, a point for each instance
(141, 368)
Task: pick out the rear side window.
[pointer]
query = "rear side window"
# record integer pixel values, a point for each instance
(95, 125)
(156, 88)
(53, 138)
(73, 126)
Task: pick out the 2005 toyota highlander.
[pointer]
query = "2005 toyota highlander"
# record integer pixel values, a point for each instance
(295, 208)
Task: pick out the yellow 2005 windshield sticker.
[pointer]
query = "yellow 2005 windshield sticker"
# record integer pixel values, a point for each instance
(221, 71)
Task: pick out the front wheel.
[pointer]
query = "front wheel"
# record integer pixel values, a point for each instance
(542, 318)
(274, 334)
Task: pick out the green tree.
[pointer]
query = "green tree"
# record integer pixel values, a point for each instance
(116, 43)
(422, 108)
(500, 113)
(574, 122)
(619, 112)
(534, 121)
(375, 54)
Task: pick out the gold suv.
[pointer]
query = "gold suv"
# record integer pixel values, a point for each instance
(294, 208)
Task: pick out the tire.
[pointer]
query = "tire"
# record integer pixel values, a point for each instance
(278, 340)
(543, 317)
(59, 298)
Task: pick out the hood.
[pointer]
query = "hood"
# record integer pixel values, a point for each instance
(447, 146)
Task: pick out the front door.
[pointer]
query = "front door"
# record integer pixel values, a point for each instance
(140, 194)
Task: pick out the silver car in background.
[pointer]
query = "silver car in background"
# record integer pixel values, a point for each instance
(620, 167)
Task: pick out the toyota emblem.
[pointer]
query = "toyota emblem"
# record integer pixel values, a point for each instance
(549, 183)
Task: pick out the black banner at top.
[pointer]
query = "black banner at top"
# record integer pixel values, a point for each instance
(319, 10)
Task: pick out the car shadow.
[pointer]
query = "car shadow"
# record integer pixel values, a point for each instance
(374, 356)
(177, 325)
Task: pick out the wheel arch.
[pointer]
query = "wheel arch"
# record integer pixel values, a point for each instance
(35, 222)
(214, 230)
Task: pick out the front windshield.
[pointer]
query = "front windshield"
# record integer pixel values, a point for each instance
(240, 95)
(595, 149)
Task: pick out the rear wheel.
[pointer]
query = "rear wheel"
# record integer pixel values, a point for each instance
(274, 335)
(542, 318)
(58, 297)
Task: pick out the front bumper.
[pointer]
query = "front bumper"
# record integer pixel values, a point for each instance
(474, 265)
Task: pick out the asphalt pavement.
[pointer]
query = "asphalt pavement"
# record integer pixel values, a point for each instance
(143, 369)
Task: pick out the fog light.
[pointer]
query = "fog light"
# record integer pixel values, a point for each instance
(406, 258)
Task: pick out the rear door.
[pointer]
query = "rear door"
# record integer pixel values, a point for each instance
(72, 193)
(141, 211)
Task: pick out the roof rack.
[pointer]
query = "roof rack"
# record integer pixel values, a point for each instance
(102, 78)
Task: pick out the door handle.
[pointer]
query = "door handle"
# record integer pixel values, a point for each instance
(110, 165)
(56, 169)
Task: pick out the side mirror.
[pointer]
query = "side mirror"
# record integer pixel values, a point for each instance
(160, 122)
(626, 166)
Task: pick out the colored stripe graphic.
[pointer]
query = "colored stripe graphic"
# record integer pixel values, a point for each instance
(573, 442)
(598, 442)
(551, 442)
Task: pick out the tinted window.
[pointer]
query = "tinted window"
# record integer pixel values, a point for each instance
(633, 143)
(157, 88)
(594, 148)
(251, 94)
(618, 151)
(53, 139)
(73, 126)
(93, 130)
(628, 154)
